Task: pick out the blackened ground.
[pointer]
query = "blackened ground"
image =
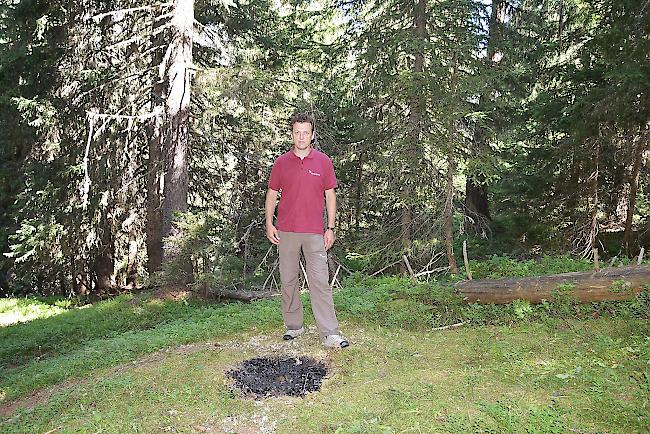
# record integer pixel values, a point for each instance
(263, 377)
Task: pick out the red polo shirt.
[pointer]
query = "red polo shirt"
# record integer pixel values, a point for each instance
(303, 183)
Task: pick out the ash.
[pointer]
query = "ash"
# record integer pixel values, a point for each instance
(264, 377)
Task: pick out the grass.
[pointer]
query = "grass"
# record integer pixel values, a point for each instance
(143, 364)
(111, 334)
(587, 375)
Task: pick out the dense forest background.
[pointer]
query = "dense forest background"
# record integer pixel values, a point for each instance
(137, 138)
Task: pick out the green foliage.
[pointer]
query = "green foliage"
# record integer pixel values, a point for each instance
(566, 98)
(620, 286)
(35, 251)
(572, 143)
(542, 370)
(521, 309)
(396, 302)
(504, 266)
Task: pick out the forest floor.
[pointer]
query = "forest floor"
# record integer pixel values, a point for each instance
(155, 364)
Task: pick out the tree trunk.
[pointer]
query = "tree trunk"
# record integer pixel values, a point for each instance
(103, 260)
(477, 207)
(406, 219)
(178, 70)
(415, 120)
(594, 226)
(242, 191)
(357, 198)
(103, 265)
(82, 283)
(153, 224)
(634, 187)
(608, 284)
(132, 258)
(449, 213)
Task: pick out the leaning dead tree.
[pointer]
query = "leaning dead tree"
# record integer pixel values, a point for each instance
(634, 178)
(608, 284)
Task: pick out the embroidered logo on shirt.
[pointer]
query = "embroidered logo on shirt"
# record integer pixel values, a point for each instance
(313, 173)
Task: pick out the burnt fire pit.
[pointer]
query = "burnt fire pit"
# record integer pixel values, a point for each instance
(264, 377)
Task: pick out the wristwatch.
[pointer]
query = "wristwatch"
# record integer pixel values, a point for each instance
(330, 228)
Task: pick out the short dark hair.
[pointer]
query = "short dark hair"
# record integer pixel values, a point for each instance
(301, 117)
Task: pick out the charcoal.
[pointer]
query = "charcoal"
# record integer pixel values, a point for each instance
(264, 377)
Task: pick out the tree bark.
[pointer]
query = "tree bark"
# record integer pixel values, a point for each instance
(176, 139)
(476, 203)
(103, 254)
(357, 193)
(153, 224)
(608, 284)
(103, 265)
(594, 226)
(243, 197)
(415, 121)
(449, 213)
(634, 187)
(132, 258)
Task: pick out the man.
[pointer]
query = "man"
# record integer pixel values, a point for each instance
(305, 177)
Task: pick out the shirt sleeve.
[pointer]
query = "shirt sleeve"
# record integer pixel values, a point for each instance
(275, 180)
(329, 180)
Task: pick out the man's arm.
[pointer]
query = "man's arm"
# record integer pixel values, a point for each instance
(330, 204)
(269, 208)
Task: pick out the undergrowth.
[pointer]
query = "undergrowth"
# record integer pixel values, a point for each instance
(58, 338)
(396, 302)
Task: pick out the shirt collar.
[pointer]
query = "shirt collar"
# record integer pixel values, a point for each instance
(295, 157)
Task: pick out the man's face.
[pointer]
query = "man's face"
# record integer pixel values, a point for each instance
(302, 133)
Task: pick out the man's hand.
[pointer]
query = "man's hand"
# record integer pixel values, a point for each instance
(329, 238)
(272, 234)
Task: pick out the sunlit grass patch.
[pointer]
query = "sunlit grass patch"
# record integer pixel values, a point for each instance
(19, 310)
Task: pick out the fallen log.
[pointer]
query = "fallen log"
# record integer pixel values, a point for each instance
(621, 283)
(220, 294)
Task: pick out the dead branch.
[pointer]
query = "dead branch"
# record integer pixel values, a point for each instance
(450, 326)
(386, 267)
(435, 270)
(408, 266)
(466, 260)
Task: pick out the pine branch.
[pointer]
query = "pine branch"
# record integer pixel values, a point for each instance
(107, 116)
(98, 17)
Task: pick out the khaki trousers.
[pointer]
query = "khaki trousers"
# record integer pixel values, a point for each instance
(320, 293)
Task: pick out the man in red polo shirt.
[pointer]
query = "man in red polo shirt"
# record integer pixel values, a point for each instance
(305, 177)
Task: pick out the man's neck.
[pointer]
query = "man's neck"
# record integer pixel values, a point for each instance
(301, 153)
